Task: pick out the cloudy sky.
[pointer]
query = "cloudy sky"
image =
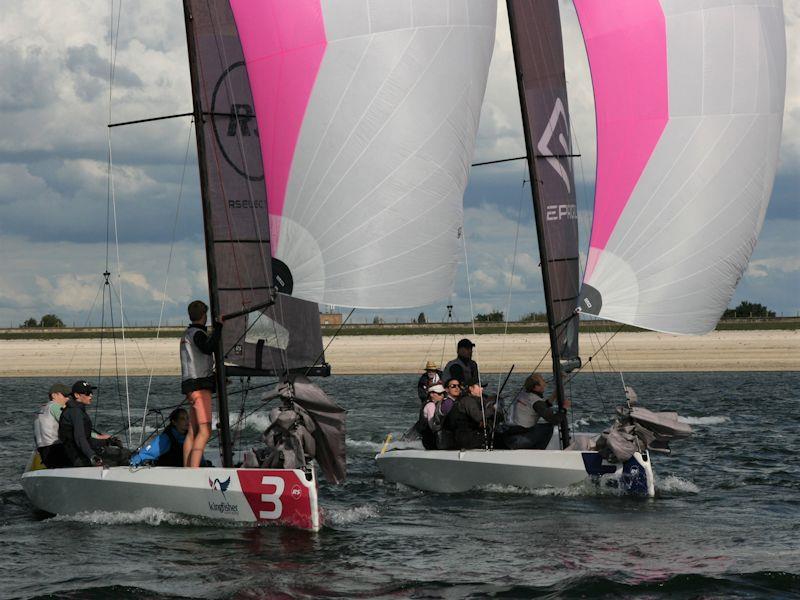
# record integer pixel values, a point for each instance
(54, 105)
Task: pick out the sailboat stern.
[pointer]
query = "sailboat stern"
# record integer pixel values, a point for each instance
(634, 477)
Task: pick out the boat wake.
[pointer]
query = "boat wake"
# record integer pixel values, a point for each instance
(711, 420)
(346, 516)
(673, 485)
(144, 516)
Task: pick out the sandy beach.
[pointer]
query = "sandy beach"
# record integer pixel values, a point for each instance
(716, 351)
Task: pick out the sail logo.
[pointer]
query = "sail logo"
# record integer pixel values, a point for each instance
(556, 212)
(559, 115)
(234, 123)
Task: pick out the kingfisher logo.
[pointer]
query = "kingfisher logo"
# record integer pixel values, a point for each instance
(223, 507)
(216, 484)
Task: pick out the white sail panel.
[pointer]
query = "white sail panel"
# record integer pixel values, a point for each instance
(689, 97)
(367, 117)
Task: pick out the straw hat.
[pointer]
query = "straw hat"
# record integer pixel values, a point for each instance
(431, 366)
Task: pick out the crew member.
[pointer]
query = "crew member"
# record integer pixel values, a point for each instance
(462, 367)
(431, 376)
(531, 418)
(75, 432)
(167, 449)
(45, 428)
(197, 380)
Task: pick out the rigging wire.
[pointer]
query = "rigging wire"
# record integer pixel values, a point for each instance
(67, 371)
(472, 319)
(169, 265)
(511, 280)
(111, 210)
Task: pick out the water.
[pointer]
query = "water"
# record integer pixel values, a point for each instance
(724, 523)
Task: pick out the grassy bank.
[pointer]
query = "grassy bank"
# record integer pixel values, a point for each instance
(784, 323)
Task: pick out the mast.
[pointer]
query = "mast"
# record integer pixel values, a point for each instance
(213, 295)
(553, 323)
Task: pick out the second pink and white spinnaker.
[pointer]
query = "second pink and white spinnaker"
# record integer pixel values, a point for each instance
(689, 98)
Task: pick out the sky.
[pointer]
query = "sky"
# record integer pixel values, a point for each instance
(54, 175)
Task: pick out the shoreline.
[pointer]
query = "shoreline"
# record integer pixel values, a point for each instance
(741, 350)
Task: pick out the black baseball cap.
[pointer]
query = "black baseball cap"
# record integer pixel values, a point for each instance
(465, 343)
(83, 387)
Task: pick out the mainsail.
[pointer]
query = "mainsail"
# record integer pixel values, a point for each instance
(539, 57)
(689, 98)
(367, 114)
(263, 338)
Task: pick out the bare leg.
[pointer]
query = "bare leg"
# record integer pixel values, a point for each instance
(188, 443)
(200, 440)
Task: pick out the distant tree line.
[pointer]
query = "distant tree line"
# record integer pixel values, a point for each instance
(496, 316)
(748, 309)
(45, 321)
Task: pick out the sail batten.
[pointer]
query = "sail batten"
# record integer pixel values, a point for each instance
(689, 103)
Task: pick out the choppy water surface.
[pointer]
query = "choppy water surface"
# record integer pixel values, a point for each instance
(725, 523)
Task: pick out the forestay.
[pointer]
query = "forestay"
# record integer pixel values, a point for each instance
(689, 98)
(367, 114)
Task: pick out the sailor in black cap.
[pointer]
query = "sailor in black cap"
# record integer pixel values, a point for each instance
(75, 432)
(462, 367)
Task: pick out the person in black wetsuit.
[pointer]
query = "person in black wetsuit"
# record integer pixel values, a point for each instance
(469, 418)
(75, 432)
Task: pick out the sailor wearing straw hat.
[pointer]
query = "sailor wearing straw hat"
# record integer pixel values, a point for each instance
(431, 376)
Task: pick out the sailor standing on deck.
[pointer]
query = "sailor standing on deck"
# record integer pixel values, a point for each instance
(197, 380)
(462, 367)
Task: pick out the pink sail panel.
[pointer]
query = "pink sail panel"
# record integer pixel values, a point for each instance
(627, 49)
(283, 44)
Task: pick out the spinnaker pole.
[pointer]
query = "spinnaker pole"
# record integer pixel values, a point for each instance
(225, 439)
(552, 324)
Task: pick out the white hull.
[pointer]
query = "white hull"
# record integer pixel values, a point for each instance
(453, 471)
(272, 496)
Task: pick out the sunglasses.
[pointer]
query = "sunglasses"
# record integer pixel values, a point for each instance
(453, 385)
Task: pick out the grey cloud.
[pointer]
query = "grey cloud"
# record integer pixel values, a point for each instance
(28, 76)
(91, 72)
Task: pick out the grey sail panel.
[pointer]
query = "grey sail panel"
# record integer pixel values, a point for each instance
(284, 336)
(536, 34)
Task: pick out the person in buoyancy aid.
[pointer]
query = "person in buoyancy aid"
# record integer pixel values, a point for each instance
(531, 419)
(75, 432)
(167, 449)
(197, 380)
(45, 428)
(289, 438)
(462, 367)
(431, 418)
(471, 419)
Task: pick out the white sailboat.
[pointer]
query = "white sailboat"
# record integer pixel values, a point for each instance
(334, 141)
(689, 101)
